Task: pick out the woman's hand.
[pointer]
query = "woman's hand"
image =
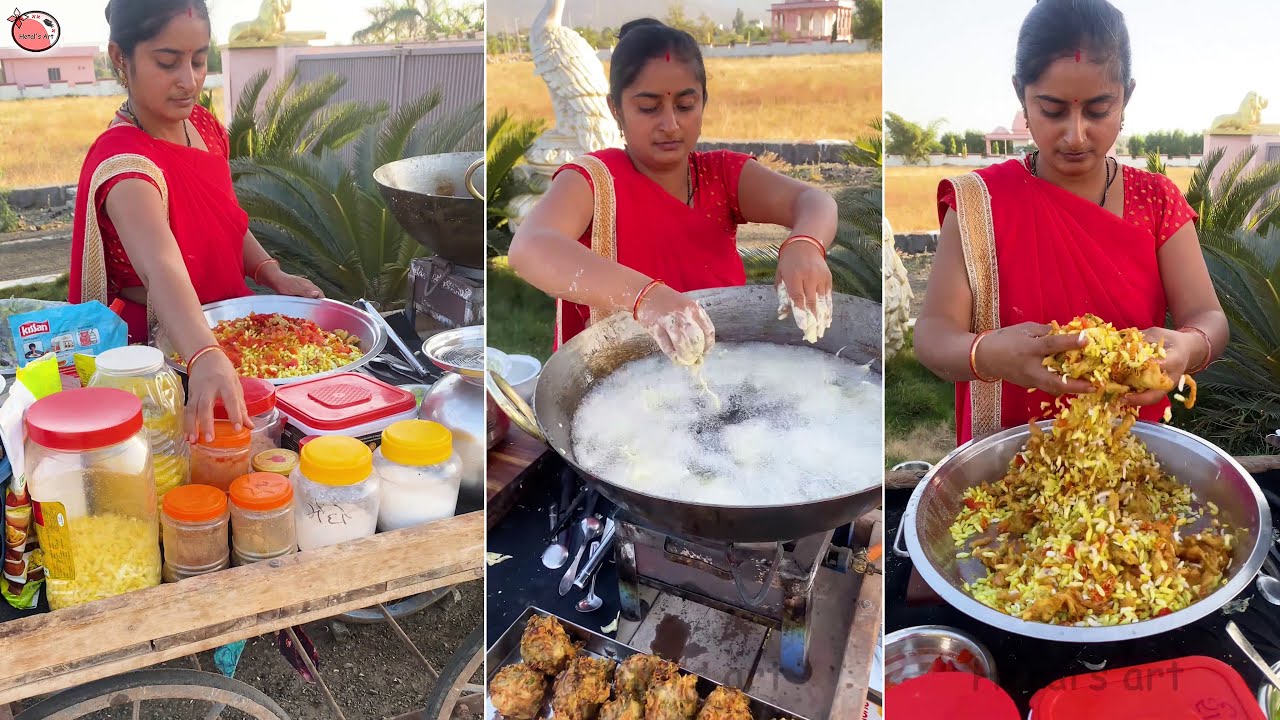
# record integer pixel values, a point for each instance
(678, 323)
(213, 377)
(1016, 354)
(804, 288)
(285, 284)
(1178, 347)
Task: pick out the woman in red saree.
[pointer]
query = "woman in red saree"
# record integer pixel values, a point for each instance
(157, 224)
(1063, 232)
(632, 230)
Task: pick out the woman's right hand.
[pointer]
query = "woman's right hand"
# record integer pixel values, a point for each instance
(213, 377)
(678, 323)
(1016, 354)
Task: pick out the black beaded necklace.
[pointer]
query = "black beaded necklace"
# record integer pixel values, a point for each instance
(127, 109)
(1113, 169)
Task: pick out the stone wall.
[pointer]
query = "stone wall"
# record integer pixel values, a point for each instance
(101, 88)
(775, 49)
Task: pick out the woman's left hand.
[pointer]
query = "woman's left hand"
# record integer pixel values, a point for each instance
(295, 285)
(1177, 358)
(804, 288)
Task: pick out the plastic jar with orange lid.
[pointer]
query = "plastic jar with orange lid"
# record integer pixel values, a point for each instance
(260, 402)
(194, 521)
(262, 524)
(223, 459)
(336, 492)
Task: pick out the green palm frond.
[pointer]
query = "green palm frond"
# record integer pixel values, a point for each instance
(393, 138)
(507, 139)
(1237, 199)
(459, 132)
(867, 150)
(341, 123)
(242, 131)
(288, 126)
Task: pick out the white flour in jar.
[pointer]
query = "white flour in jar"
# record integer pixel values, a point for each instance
(792, 424)
(326, 523)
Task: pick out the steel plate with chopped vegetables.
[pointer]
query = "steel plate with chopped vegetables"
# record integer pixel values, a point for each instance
(273, 346)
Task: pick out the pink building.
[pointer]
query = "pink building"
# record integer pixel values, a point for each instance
(1009, 138)
(813, 19)
(71, 64)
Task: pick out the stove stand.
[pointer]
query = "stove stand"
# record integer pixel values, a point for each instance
(448, 295)
(770, 584)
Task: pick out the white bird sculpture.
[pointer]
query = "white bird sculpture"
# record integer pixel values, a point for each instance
(579, 92)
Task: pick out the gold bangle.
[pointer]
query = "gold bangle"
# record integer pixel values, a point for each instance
(1208, 356)
(973, 357)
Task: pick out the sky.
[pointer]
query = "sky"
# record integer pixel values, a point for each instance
(600, 13)
(84, 23)
(1192, 61)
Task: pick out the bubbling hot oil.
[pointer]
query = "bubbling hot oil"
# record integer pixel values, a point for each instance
(775, 425)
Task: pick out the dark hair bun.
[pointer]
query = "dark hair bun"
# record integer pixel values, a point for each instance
(642, 22)
(108, 11)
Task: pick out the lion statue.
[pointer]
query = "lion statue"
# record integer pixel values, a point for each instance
(267, 27)
(1248, 116)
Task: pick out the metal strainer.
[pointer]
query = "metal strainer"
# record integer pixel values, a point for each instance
(460, 351)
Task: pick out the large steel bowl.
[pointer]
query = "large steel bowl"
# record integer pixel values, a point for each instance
(1212, 474)
(328, 314)
(740, 314)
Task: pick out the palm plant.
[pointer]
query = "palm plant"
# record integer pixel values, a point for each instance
(1238, 200)
(855, 255)
(295, 120)
(507, 139)
(867, 150)
(1155, 162)
(426, 20)
(328, 219)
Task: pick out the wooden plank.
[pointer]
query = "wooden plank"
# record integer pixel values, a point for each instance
(506, 464)
(73, 646)
(864, 635)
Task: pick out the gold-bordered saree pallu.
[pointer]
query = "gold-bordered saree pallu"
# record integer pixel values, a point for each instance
(978, 240)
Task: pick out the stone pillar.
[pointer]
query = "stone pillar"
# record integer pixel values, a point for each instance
(988, 142)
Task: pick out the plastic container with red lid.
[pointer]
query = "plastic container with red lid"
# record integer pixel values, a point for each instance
(949, 696)
(260, 402)
(88, 469)
(347, 404)
(1187, 688)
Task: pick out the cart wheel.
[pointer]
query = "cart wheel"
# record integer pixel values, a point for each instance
(398, 609)
(453, 690)
(209, 694)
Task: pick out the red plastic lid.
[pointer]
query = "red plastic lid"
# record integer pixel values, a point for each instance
(339, 402)
(84, 419)
(259, 398)
(1187, 688)
(950, 695)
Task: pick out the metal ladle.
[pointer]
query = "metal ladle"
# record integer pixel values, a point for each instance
(1269, 588)
(591, 602)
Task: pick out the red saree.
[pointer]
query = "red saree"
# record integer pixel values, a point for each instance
(688, 247)
(1056, 256)
(205, 217)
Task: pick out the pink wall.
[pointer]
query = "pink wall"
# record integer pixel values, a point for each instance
(34, 70)
(1237, 144)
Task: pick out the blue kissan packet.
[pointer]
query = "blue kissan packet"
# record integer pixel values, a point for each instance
(66, 331)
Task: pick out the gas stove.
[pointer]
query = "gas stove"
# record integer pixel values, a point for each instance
(444, 295)
(770, 584)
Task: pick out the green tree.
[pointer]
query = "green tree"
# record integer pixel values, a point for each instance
(867, 24)
(913, 142)
(740, 22)
(975, 141)
(398, 21)
(1137, 145)
(214, 62)
(678, 19)
(952, 143)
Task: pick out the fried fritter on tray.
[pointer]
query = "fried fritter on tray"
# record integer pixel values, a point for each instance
(582, 688)
(1086, 528)
(545, 645)
(517, 691)
(672, 698)
(623, 708)
(726, 703)
(637, 672)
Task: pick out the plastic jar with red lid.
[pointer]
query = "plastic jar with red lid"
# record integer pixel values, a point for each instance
(194, 521)
(219, 461)
(260, 402)
(262, 522)
(88, 469)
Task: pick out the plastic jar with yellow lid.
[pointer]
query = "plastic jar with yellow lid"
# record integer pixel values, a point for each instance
(88, 469)
(335, 492)
(420, 474)
(194, 520)
(262, 522)
(141, 371)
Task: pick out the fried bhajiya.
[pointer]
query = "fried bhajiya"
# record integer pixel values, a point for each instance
(672, 698)
(726, 703)
(637, 672)
(582, 688)
(517, 691)
(546, 646)
(623, 708)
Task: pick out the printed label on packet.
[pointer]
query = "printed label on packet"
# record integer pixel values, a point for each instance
(55, 539)
(89, 328)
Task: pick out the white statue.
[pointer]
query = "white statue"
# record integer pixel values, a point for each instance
(897, 296)
(579, 92)
(1247, 117)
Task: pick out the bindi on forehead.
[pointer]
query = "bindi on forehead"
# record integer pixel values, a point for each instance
(1077, 56)
(668, 56)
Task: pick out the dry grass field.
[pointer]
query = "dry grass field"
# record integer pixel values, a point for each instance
(810, 97)
(911, 192)
(43, 141)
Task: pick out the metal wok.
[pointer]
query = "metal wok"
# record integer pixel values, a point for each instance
(435, 200)
(743, 314)
(1212, 474)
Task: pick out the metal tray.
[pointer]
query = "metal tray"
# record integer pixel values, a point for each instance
(328, 314)
(506, 651)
